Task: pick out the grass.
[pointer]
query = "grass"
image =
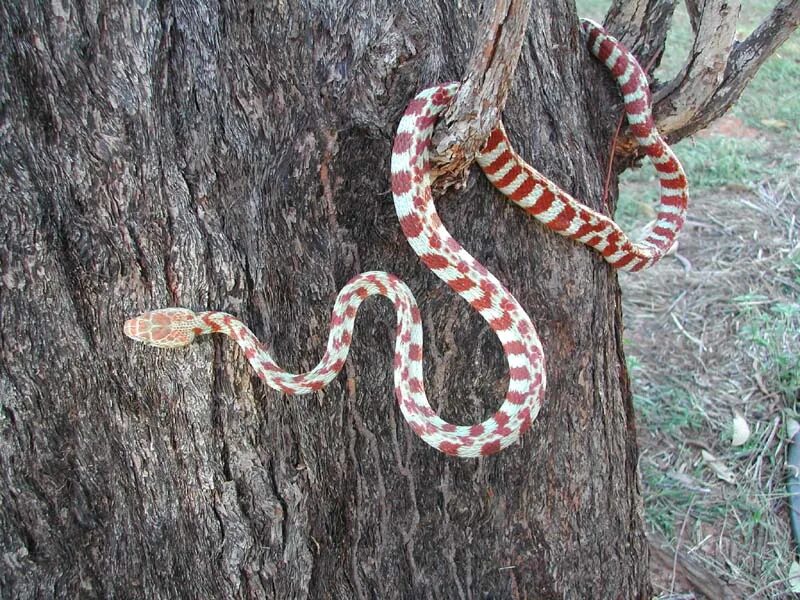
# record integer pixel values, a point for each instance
(719, 160)
(774, 80)
(770, 330)
(717, 333)
(713, 161)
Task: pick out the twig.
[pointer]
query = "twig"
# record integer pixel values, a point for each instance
(687, 264)
(776, 422)
(678, 545)
(675, 302)
(613, 148)
(698, 576)
(611, 151)
(688, 335)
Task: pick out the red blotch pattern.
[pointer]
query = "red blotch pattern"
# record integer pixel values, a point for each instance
(441, 253)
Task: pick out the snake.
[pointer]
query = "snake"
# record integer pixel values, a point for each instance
(449, 261)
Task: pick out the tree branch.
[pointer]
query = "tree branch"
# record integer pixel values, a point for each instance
(641, 26)
(689, 93)
(719, 68)
(477, 106)
(694, 10)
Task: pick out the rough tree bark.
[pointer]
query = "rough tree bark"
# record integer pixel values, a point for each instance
(235, 156)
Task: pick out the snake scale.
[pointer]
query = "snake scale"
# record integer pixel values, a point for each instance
(440, 252)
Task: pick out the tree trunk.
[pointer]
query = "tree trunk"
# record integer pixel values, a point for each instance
(228, 156)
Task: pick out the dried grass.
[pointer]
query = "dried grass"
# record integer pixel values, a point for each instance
(704, 334)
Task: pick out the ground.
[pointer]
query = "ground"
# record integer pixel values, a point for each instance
(710, 334)
(712, 339)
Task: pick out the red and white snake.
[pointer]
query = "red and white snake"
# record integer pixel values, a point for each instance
(411, 186)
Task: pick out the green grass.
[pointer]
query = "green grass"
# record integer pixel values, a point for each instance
(773, 329)
(668, 409)
(718, 161)
(771, 102)
(711, 162)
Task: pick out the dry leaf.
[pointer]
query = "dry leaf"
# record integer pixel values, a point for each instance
(741, 430)
(774, 123)
(794, 577)
(792, 427)
(720, 469)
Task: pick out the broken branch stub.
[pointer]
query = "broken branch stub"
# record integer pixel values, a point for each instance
(477, 106)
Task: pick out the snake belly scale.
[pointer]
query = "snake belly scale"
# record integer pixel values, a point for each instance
(440, 252)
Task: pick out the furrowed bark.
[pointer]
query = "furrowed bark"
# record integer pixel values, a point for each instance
(236, 157)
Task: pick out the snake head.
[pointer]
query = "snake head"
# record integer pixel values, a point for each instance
(165, 328)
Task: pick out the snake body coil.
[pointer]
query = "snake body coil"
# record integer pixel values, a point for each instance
(543, 199)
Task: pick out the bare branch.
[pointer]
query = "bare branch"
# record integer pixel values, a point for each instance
(694, 10)
(477, 106)
(641, 26)
(692, 89)
(719, 69)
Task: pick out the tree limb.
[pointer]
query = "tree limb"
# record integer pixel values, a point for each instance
(691, 90)
(477, 106)
(641, 26)
(719, 68)
(694, 9)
